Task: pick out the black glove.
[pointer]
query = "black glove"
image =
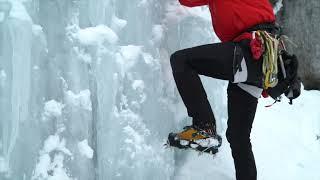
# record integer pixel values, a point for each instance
(294, 90)
(291, 65)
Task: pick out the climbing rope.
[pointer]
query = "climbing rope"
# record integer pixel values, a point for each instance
(270, 57)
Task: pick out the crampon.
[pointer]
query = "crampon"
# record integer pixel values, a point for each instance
(191, 138)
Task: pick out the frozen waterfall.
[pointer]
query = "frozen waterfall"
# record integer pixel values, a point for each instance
(86, 93)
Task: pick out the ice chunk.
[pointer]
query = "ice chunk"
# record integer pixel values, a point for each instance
(96, 35)
(130, 52)
(138, 85)
(58, 172)
(37, 30)
(157, 33)
(1, 16)
(19, 11)
(3, 165)
(48, 168)
(127, 57)
(117, 23)
(142, 3)
(85, 149)
(80, 100)
(137, 139)
(54, 142)
(5, 8)
(45, 169)
(53, 108)
(3, 77)
(82, 55)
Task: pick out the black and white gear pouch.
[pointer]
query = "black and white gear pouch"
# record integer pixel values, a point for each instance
(245, 68)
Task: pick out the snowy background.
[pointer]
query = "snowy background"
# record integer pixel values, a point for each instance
(86, 93)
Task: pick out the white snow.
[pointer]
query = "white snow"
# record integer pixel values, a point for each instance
(85, 149)
(284, 140)
(3, 165)
(127, 57)
(96, 35)
(80, 100)
(1, 16)
(3, 77)
(54, 142)
(157, 33)
(82, 55)
(37, 29)
(138, 85)
(130, 52)
(19, 11)
(53, 108)
(48, 168)
(117, 24)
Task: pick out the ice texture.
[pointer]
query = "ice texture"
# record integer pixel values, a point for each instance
(87, 93)
(85, 149)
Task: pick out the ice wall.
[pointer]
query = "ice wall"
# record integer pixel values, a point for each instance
(86, 90)
(86, 93)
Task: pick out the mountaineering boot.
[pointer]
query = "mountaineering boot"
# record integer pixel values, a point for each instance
(194, 138)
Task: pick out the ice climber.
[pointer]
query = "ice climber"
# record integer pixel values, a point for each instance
(244, 28)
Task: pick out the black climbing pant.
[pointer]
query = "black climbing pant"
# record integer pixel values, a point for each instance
(215, 60)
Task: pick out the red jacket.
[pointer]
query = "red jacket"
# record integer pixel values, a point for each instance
(232, 17)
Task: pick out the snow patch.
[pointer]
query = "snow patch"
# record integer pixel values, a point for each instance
(53, 108)
(85, 149)
(3, 165)
(37, 30)
(49, 168)
(80, 100)
(157, 33)
(142, 3)
(1, 16)
(5, 8)
(149, 60)
(54, 143)
(92, 36)
(130, 52)
(127, 57)
(117, 24)
(138, 85)
(82, 55)
(19, 11)
(3, 78)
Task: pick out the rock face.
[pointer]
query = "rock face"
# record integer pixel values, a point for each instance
(301, 20)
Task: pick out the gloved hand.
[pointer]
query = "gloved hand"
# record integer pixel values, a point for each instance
(291, 63)
(294, 90)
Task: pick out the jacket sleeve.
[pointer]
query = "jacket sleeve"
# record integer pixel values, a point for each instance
(192, 3)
